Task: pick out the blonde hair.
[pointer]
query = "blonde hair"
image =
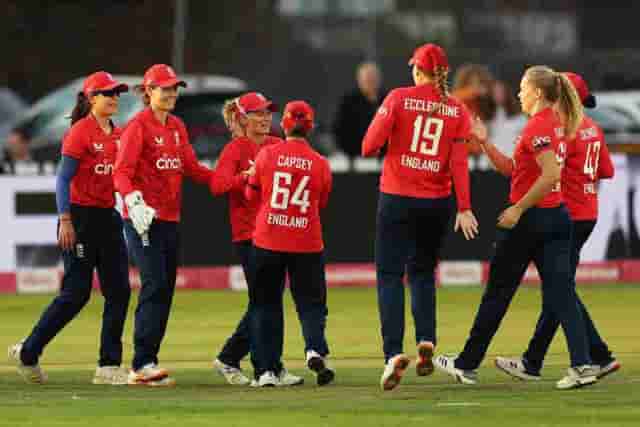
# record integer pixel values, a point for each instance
(557, 88)
(440, 77)
(229, 110)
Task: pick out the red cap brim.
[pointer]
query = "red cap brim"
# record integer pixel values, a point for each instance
(121, 87)
(267, 105)
(171, 83)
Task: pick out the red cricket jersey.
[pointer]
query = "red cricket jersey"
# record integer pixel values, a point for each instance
(543, 132)
(426, 144)
(294, 183)
(227, 179)
(95, 152)
(153, 158)
(587, 161)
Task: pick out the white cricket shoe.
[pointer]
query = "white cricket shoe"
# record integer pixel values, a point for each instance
(267, 379)
(447, 365)
(424, 361)
(515, 367)
(578, 377)
(609, 368)
(147, 374)
(31, 374)
(286, 379)
(393, 371)
(319, 366)
(111, 375)
(233, 375)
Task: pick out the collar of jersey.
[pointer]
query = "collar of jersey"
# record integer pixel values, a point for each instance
(148, 115)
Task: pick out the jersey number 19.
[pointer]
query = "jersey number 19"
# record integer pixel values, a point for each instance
(430, 133)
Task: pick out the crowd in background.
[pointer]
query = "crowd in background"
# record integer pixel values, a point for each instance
(492, 103)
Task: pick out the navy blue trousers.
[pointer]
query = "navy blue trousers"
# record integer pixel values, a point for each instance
(309, 290)
(157, 260)
(548, 323)
(409, 236)
(237, 345)
(543, 236)
(99, 245)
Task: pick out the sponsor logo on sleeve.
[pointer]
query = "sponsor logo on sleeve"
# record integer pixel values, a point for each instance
(383, 111)
(540, 142)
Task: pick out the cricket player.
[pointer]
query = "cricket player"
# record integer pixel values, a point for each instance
(89, 234)
(293, 183)
(425, 133)
(155, 155)
(587, 161)
(249, 119)
(536, 227)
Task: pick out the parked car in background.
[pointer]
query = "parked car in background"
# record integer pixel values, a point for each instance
(618, 113)
(199, 105)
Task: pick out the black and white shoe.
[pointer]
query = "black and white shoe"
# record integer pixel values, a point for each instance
(447, 365)
(319, 366)
(515, 367)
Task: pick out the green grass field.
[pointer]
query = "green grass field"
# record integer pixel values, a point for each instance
(202, 320)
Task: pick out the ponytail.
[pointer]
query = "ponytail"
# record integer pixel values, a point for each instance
(557, 89)
(81, 109)
(569, 105)
(441, 74)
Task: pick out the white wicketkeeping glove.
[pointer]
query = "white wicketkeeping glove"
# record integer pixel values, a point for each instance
(140, 214)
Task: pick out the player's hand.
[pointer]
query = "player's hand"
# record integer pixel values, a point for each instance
(479, 129)
(66, 234)
(251, 171)
(467, 222)
(140, 214)
(509, 217)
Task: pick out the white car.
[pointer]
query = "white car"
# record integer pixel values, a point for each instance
(618, 113)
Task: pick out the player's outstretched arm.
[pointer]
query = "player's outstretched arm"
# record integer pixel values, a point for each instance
(501, 163)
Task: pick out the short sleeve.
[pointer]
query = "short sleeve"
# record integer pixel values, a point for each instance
(538, 139)
(74, 144)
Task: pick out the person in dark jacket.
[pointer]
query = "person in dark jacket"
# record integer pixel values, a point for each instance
(357, 108)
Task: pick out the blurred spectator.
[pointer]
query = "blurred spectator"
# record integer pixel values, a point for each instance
(357, 108)
(508, 121)
(472, 85)
(16, 152)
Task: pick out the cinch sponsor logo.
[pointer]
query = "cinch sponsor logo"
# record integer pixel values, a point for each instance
(168, 163)
(103, 169)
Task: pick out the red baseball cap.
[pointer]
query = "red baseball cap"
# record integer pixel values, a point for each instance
(101, 81)
(254, 101)
(162, 75)
(429, 56)
(297, 113)
(588, 100)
